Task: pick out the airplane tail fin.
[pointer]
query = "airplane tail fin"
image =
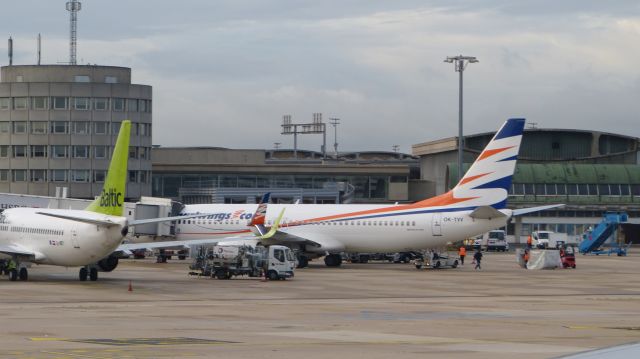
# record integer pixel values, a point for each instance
(111, 199)
(488, 180)
(261, 211)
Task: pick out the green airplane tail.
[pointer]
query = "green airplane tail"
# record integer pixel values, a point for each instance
(111, 199)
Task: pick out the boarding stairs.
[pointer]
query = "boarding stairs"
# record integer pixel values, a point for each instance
(594, 240)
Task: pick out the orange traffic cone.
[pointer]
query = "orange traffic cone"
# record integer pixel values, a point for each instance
(130, 287)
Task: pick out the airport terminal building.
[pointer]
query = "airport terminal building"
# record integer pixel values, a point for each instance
(58, 124)
(591, 172)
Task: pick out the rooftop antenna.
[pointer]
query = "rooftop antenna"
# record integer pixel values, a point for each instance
(73, 7)
(39, 48)
(10, 51)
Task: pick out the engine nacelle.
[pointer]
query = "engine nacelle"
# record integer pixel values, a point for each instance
(108, 264)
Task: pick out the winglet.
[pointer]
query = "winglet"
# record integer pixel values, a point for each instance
(274, 228)
(111, 199)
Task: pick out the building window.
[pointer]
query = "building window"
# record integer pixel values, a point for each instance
(80, 151)
(144, 153)
(614, 189)
(79, 175)
(132, 105)
(40, 103)
(110, 80)
(100, 151)
(38, 175)
(142, 105)
(19, 151)
(19, 127)
(550, 189)
(19, 175)
(99, 176)
(59, 127)
(20, 103)
(635, 189)
(81, 127)
(59, 151)
(133, 152)
(118, 104)
(101, 128)
(39, 151)
(133, 176)
(5, 127)
(81, 78)
(4, 151)
(4, 175)
(115, 128)
(603, 189)
(143, 176)
(5, 103)
(572, 189)
(39, 127)
(59, 103)
(624, 189)
(101, 104)
(58, 175)
(81, 103)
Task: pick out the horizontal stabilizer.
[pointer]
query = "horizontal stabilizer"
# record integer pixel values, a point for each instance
(486, 212)
(521, 211)
(98, 222)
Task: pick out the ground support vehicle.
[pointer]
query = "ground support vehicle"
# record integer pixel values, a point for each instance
(568, 257)
(594, 240)
(227, 261)
(549, 239)
(497, 241)
(436, 260)
(406, 257)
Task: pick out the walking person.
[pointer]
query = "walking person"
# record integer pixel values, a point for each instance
(529, 242)
(477, 257)
(526, 258)
(462, 252)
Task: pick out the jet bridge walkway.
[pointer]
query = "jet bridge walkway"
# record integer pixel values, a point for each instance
(594, 240)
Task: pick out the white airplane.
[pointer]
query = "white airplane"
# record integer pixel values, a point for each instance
(72, 238)
(475, 205)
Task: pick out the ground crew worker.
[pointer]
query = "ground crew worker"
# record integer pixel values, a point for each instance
(462, 252)
(11, 265)
(526, 258)
(529, 242)
(477, 257)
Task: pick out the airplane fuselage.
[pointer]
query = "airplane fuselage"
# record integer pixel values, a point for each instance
(59, 241)
(350, 228)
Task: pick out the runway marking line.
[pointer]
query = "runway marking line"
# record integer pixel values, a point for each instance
(140, 341)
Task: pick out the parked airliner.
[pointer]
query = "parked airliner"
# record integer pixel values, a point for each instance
(72, 238)
(475, 205)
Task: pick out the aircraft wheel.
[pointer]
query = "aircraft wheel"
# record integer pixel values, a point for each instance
(83, 274)
(13, 275)
(93, 274)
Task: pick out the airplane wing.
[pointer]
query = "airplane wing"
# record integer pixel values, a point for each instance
(521, 211)
(99, 222)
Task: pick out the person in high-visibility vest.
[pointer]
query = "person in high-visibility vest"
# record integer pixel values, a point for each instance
(526, 258)
(462, 252)
(529, 241)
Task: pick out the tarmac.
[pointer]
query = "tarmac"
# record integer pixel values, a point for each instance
(374, 310)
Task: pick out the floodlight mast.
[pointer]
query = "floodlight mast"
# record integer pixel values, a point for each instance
(460, 63)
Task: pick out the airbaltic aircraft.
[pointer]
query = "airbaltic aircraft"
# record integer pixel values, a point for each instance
(475, 205)
(72, 238)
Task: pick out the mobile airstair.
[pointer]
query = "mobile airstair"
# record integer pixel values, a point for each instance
(593, 241)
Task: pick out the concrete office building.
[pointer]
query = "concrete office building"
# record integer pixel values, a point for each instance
(58, 124)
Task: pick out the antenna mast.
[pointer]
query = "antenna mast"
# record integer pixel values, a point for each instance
(73, 7)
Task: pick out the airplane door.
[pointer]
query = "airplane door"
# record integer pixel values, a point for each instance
(436, 224)
(74, 239)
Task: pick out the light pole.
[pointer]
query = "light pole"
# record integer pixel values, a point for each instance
(335, 122)
(460, 62)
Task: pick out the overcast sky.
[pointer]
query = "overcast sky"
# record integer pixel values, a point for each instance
(224, 72)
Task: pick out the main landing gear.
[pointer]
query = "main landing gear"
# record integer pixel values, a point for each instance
(16, 270)
(333, 260)
(91, 272)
